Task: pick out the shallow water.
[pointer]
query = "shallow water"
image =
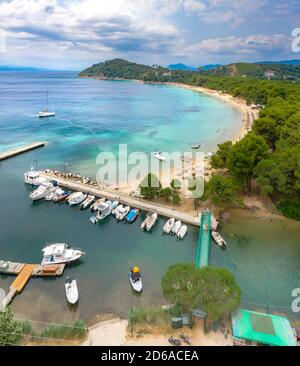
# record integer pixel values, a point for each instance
(263, 255)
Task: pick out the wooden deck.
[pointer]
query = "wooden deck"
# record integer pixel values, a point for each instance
(23, 277)
(21, 150)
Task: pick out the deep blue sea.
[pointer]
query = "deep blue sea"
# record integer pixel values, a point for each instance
(93, 116)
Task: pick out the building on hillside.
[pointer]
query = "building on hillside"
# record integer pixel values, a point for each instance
(252, 328)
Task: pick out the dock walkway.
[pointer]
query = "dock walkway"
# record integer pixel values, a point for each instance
(21, 150)
(131, 201)
(202, 257)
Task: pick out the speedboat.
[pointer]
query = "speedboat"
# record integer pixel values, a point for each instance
(176, 227)
(169, 225)
(76, 198)
(195, 146)
(71, 290)
(116, 210)
(60, 197)
(33, 177)
(122, 213)
(104, 210)
(149, 222)
(52, 194)
(114, 205)
(135, 278)
(96, 205)
(159, 156)
(218, 239)
(56, 253)
(132, 215)
(41, 192)
(87, 202)
(182, 232)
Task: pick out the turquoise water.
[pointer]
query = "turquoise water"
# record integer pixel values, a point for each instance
(264, 255)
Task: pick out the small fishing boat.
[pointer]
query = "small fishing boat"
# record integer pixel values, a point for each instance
(159, 156)
(105, 209)
(122, 213)
(182, 232)
(61, 197)
(149, 222)
(93, 220)
(41, 192)
(46, 112)
(56, 253)
(176, 227)
(195, 146)
(169, 225)
(98, 202)
(87, 202)
(132, 215)
(76, 198)
(218, 239)
(71, 290)
(135, 278)
(116, 210)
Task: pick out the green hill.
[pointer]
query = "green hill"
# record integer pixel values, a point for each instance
(257, 71)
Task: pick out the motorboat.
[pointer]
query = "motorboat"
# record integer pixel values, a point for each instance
(218, 239)
(116, 210)
(149, 222)
(195, 146)
(71, 290)
(159, 156)
(46, 112)
(56, 253)
(135, 278)
(76, 198)
(104, 210)
(52, 195)
(176, 227)
(182, 232)
(114, 205)
(132, 215)
(41, 192)
(87, 202)
(122, 213)
(169, 225)
(61, 197)
(33, 177)
(98, 202)
(93, 220)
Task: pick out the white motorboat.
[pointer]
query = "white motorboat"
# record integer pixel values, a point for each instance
(135, 279)
(46, 112)
(87, 202)
(96, 205)
(76, 198)
(218, 239)
(195, 146)
(169, 225)
(56, 253)
(116, 210)
(159, 156)
(41, 192)
(122, 213)
(71, 290)
(104, 210)
(52, 195)
(93, 220)
(176, 227)
(114, 205)
(149, 222)
(60, 197)
(182, 232)
(33, 177)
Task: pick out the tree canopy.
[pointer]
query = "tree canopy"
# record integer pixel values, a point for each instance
(10, 329)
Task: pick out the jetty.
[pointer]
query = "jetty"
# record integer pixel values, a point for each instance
(21, 150)
(129, 200)
(24, 272)
(203, 250)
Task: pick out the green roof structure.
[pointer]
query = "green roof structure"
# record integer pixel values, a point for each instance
(262, 328)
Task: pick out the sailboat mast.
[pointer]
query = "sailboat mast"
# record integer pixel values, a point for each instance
(47, 101)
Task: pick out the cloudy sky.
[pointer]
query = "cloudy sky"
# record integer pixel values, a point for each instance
(73, 34)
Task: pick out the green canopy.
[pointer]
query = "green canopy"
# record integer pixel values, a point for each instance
(263, 328)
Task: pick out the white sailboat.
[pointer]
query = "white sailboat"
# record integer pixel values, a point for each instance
(46, 112)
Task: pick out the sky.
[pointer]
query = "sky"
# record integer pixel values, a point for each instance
(74, 34)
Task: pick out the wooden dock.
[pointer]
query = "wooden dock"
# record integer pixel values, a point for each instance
(21, 150)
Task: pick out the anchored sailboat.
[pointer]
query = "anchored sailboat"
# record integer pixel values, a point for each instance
(46, 112)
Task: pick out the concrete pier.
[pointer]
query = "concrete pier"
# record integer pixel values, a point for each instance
(21, 150)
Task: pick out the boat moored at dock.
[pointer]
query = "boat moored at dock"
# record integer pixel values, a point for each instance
(132, 215)
(41, 192)
(182, 232)
(56, 253)
(122, 213)
(76, 198)
(62, 196)
(149, 222)
(95, 206)
(169, 225)
(87, 202)
(33, 177)
(218, 239)
(176, 227)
